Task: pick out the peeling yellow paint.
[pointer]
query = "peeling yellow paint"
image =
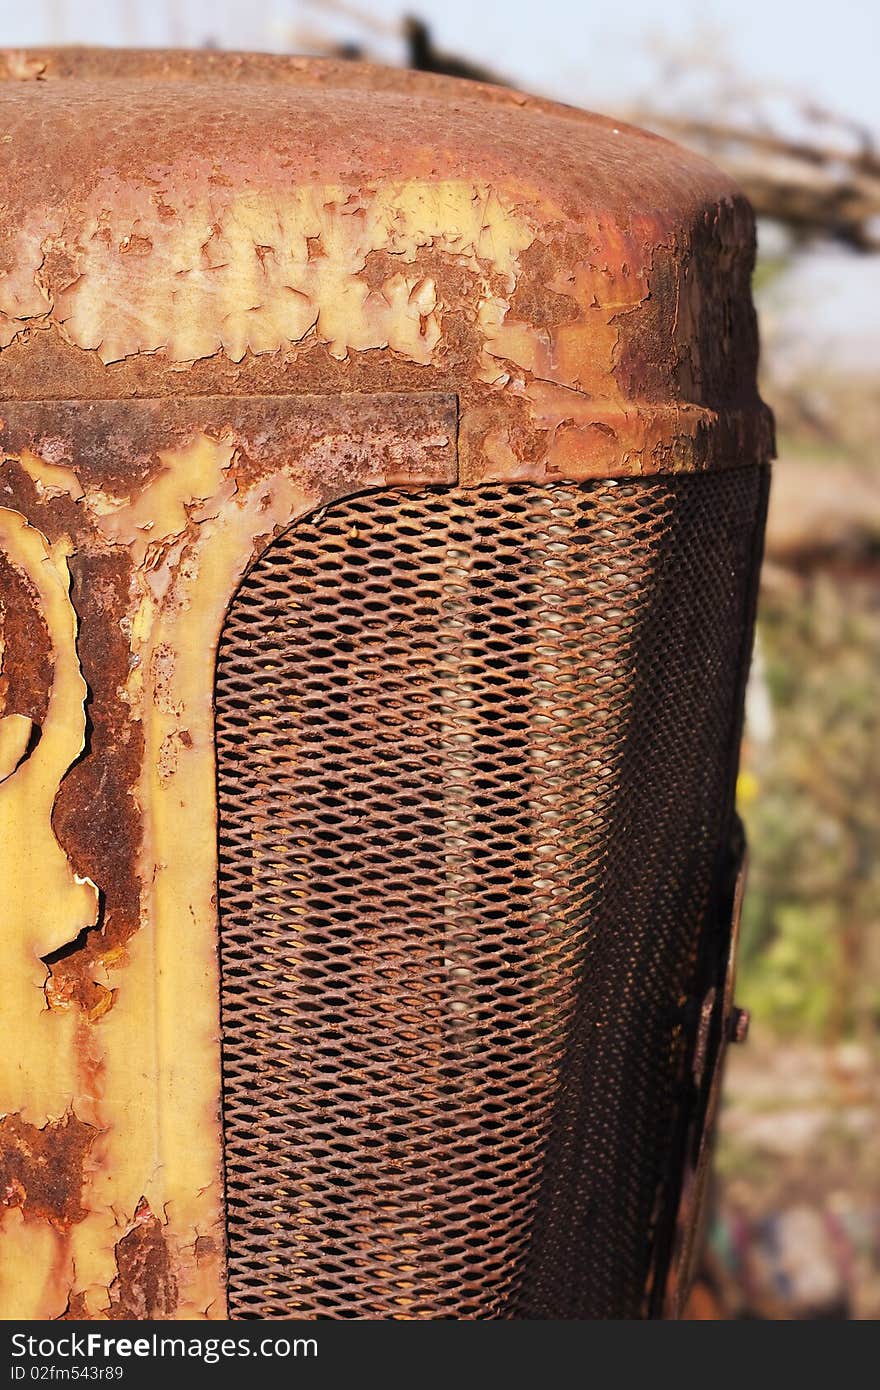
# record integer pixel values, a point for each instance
(157, 517)
(172, 961)
(37, 1263)
(52, 479)
(15, 732)
(245, 277)
(46, 904)
(153, 1058)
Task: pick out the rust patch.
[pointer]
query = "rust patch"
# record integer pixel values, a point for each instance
(454, 282)
(53, 515)
(75, 432)
(25, 648)
(77, 1309)
(145, 1286)
(501, 434)
(96, 818)
(41, 1170)
(546, 291)
(118, 444)
(695, 336)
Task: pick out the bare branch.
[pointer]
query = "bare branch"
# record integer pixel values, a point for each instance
(816, 190)
(816, 187)
(387, 28)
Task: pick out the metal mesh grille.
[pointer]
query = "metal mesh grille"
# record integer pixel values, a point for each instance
(474, 752)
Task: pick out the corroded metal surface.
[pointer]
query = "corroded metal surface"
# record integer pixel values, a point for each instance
(583, 286)
(142, 518)
(206, 335)
(41, 1170)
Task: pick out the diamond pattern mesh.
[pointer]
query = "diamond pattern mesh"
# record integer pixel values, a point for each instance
(474, 767)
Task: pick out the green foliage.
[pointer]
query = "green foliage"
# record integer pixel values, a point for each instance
(791, 982)
(811, 925)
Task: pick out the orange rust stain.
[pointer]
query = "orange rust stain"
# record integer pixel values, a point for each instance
(146, 1286)
(25, 648)
(41, 1169)
(95, 816)
(77, 1309)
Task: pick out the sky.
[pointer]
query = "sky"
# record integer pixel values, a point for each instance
(589, 52)
(583, 50)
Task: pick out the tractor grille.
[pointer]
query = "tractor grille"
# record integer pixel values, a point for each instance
(475, 754)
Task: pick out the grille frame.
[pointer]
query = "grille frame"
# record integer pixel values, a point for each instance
(663, 1202)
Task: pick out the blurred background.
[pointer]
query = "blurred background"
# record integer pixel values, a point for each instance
(784, 94)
